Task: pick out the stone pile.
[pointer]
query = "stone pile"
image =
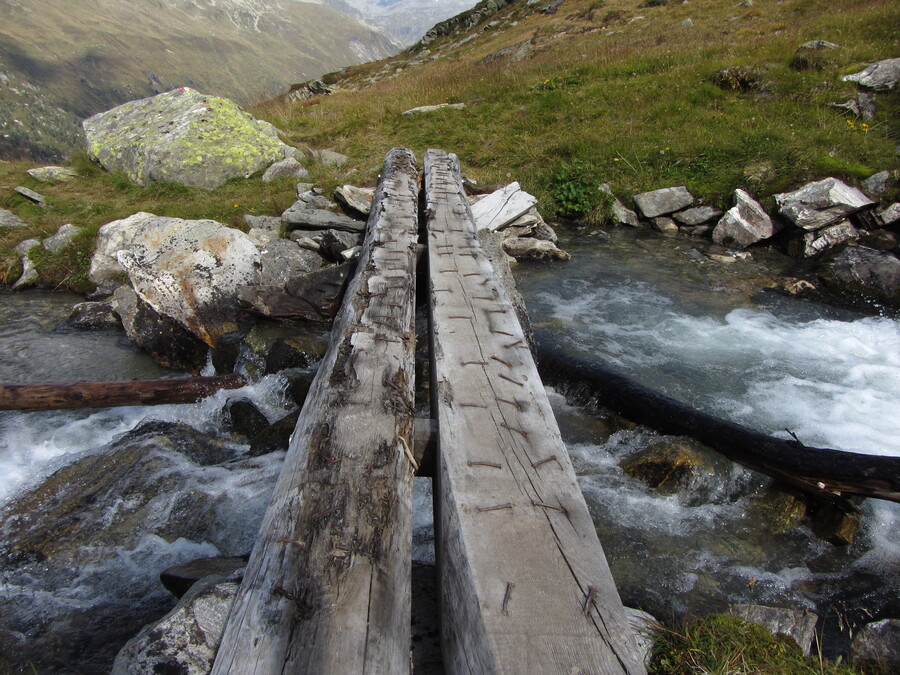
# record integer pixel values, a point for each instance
(845, 229)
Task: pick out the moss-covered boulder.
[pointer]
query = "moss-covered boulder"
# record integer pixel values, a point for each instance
(181, 136)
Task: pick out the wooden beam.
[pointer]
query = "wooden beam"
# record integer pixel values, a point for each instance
(525, 587)
(71, 396)
(327, 587)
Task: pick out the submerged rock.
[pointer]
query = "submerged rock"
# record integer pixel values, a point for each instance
(179, 579)
(678, 465)
(865, 271)
(181, 136)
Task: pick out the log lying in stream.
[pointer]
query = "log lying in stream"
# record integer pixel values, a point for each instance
(34, 397)
(819, 471)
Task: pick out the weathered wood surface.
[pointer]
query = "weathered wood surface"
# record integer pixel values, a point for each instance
(327, 588)
(525, 587)
(71, 396)
(822, 472)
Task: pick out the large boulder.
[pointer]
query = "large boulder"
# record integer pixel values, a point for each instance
(663, 202)
(743, 224)
(188, 270)
(865, 271)
(181, 136)
(283, 260)
(821, 203)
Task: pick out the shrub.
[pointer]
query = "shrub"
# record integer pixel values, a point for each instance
(576, 192)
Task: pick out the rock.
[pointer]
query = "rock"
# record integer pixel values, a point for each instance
(269, 129)
(812, 55)
(163, 338)
(698, 215)
(862, 106)
(307, 91)
(305, 239)
(299, 216)
(880, 76)
(179, 579)
(665, 225)
(878, 643)
(63, 237)
(94, 316)
(643, 627)
(810, 244)
(864, 271)
(10, 219)
(502, 207)
(23, 247)
(431, 108)
(678, 465)
(328, 157)
(797, 624)
(276, 437)
(313, 198)
(662, 202)
(543, 231)
(821, 203)
(881, 240)
(350, 254)
(281, 260)
(286, 168)
(261, 238)
(315, 296)
(289, 353)
(244, 418)
(38, 199)
(188, 270)
(332, 244)
(271, 223)
(181, 137)
(29, 276)
(619, 213)
(877, 184)
(697, 230)
(777, 508)
(52, 174)
(357, 200)
(744, 224)
(186, 639)
(533, 249)
(890, 214)
(835, 524)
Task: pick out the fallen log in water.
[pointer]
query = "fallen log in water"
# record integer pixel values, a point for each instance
(820, 471)
(34, 397)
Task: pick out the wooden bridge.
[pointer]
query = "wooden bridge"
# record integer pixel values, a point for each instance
(524, 584)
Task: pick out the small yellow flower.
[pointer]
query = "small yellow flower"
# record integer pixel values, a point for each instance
(615, 159)
(236, 205)
(668, 148)
(864, 126)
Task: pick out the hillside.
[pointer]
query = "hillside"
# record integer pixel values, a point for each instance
(623, 91)
(63, 60)
(404, 20)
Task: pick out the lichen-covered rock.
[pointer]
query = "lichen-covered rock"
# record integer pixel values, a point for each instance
(880, 76)
(743, 224)
(865, 271)
(188, 270)
(181, 136)
(52, 174)
(663, 202)
(821, 203)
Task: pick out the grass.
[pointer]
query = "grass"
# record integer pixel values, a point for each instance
(721, 645)
(627, 101)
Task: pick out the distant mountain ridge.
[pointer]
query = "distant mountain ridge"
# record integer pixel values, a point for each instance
(404, 20)
(63, 60)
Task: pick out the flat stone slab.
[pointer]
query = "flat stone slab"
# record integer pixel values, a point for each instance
(32, 195)
(663, 202)
(502, 207)
(821, 203)
(52, 174)
(303, 218)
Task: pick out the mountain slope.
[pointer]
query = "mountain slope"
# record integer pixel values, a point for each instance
(62, 60)
(405, 20)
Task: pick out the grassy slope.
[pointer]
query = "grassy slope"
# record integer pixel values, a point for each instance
(632, 100)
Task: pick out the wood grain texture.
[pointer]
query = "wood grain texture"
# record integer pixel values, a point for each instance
(525, 587)
(327, 587)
